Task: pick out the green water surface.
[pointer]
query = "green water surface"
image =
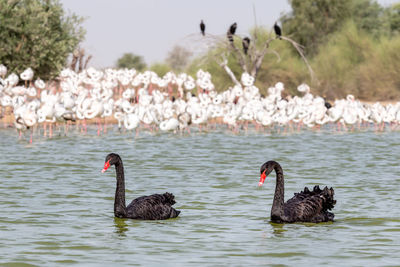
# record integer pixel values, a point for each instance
(57, 207)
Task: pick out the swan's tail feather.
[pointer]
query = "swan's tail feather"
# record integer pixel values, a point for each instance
(328, 195)
(316, 189)
(169, 199)
(307, 191)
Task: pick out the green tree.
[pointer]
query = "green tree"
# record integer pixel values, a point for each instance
(369, 16)
(311, 22)
(37, 34)
(339, 58)
(393, 15)
(131, 61)
(354, 62)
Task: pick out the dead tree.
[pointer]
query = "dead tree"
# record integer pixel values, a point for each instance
(250, 58)
(79, 60)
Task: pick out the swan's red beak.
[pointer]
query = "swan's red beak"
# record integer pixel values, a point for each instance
(262, 178)
(106, 166)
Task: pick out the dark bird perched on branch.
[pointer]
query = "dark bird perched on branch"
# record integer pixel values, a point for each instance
(231, 32)
(278, 31)
(232, 29)
(202, 28)
(246, 44)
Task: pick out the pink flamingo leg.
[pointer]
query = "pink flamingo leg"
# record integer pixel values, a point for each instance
(51, 130)
(44, 129)
(84, 126)
(98, 127)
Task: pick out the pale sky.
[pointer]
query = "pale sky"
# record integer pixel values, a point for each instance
(150, 28)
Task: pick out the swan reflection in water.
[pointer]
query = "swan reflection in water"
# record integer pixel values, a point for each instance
(120, 226)
(278, 229)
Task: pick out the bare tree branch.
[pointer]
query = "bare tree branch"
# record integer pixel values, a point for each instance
(300, 50)
(75, 56)
(255, 23)
(80, 59)
(256, 56)
(238, 54)
(277, 55)
(78, 62)
(224, 65)
(87, 61)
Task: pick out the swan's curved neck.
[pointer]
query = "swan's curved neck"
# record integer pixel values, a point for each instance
(119, 203)
(277, 206)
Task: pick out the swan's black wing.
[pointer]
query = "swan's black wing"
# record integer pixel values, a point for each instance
(153, 207)
(310, 206)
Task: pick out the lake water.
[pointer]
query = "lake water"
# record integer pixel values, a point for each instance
(57, 207)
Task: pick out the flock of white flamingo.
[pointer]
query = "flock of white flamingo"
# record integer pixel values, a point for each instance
(173, 102)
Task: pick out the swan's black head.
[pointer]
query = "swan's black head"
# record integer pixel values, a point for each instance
(265, 170)
(111, 159)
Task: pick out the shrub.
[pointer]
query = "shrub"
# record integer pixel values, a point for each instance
(131, 61)
(160, 68)
(339, 59)
(37, 34)
(379, 77)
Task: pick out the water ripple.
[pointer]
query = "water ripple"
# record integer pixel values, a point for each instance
(57, 208)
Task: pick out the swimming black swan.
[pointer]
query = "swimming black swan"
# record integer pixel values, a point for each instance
(306, 206)
(154, 207)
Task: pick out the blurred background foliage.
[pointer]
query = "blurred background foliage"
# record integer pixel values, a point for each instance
(131, 61)
(37, 34)
(352, 46)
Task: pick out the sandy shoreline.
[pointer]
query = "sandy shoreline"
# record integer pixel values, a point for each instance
(8, 116)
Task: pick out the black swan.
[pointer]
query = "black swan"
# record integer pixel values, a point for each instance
(278, 31)
(154, 207)
(306, 206)
(202, 28)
